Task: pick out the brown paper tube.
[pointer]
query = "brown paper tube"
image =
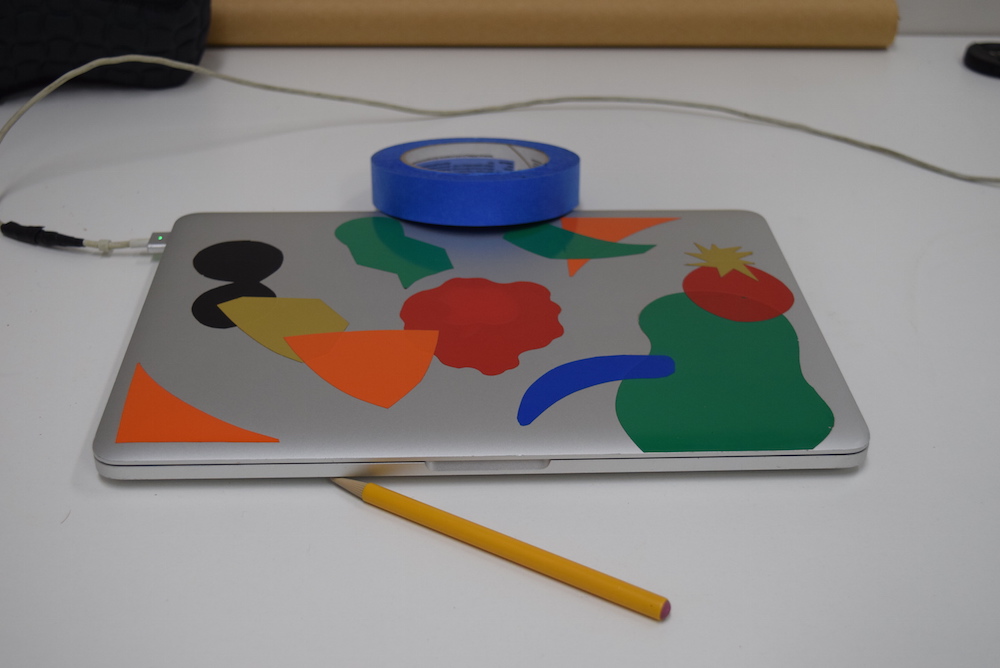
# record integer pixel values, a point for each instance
(566, 23)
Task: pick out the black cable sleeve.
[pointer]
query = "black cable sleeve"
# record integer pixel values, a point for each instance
(37, 235)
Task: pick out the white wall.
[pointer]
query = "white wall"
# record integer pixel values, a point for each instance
(949, 17)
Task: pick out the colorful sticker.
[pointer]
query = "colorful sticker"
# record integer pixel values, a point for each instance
(245, 264)
(379, 367)
(738, 384)
(566, 379)
(606, 229)
(485, 325)
(556, 243)
(381, 243)
(154, 415)
(725, 285)
(268, 320)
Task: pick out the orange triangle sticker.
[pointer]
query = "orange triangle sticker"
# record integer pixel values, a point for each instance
(606, 229)
(153, 415)
(380, 367)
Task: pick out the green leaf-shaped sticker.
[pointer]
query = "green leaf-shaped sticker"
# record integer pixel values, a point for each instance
(380, 243)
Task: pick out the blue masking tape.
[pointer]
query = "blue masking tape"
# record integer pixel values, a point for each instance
(475, 182)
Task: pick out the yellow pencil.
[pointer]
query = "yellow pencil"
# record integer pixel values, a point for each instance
(546, 563)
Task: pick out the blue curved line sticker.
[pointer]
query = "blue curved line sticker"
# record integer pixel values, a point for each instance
(565, 379)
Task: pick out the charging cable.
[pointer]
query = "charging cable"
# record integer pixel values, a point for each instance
(39, 236)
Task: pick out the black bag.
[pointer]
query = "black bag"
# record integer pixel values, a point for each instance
(40, 40)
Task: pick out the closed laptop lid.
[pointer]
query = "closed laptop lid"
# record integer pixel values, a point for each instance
(302, 344)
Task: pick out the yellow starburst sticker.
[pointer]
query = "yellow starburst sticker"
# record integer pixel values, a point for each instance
(724, 260)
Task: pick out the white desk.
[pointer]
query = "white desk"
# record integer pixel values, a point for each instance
(893, 562)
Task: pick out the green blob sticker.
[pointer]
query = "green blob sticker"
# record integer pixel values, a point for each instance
(738, 386)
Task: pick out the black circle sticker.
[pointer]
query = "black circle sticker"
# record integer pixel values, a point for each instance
(245, 264)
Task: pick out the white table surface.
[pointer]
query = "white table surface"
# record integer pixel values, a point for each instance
(895, 561)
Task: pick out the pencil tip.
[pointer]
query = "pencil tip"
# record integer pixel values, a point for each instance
(355, 487)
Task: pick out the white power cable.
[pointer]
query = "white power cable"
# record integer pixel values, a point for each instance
(446, 113)
(107, 246)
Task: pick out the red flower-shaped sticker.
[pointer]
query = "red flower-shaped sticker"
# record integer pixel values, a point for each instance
(482, 324)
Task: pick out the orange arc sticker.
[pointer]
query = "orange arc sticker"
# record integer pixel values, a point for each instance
(379, 366)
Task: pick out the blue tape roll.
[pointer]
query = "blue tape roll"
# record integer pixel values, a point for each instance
(475, 182)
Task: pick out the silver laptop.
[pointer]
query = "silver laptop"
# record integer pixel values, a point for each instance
(354, 344)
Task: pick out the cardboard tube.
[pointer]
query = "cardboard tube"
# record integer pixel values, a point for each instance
(566, 23)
